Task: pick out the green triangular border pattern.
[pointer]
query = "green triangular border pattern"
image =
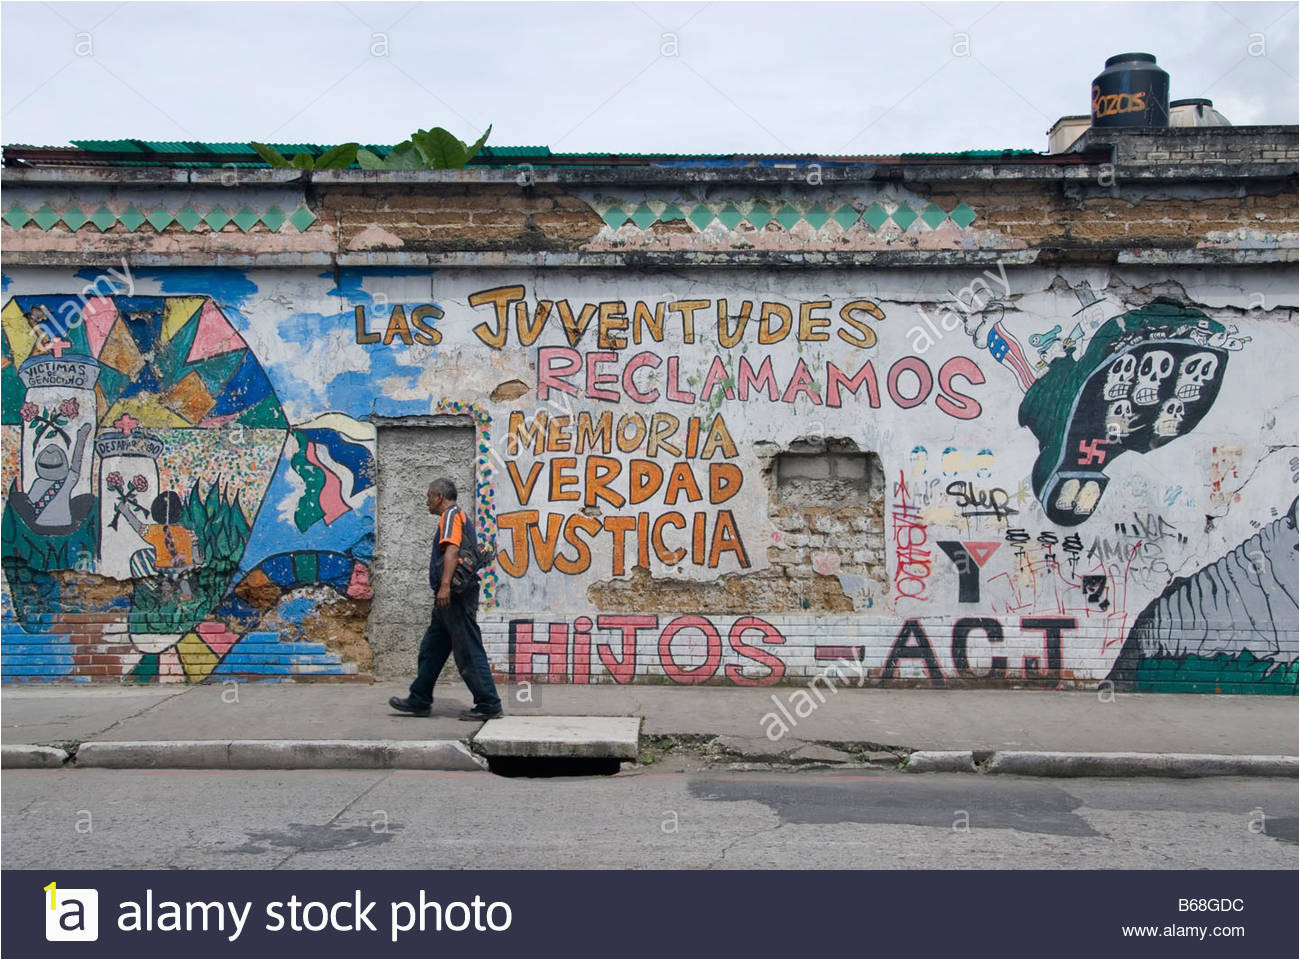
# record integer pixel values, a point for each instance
(186, 218)
(879, 214)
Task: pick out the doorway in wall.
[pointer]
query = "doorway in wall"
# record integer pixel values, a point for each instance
(412, 451)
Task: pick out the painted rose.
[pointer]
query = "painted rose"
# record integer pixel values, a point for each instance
(139, 483)
(114, 481)
(28, 410)
(69, 407)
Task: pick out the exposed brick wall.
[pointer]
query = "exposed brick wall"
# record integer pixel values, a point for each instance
(1160, 148)
(827, 516)
(1173, 189)
(1032, 213)
(1094, 220)
(480, 217)
(1088, 219)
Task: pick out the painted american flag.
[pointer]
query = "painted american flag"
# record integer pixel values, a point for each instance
(1006, 350)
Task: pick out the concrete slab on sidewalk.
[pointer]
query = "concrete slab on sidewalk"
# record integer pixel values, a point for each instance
(587, 737)
(54, 714)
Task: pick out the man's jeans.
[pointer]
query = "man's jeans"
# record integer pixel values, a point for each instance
(455, 631)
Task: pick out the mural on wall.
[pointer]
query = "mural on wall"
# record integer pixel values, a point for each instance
(141, 441)
(752, 651)
(179, 508)
(1228, 628)
(1146, 378)
(1096, 384)
(576, 468)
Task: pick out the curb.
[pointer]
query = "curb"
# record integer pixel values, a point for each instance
(30, 757)
(455, 755)
(940, 761)
(1028, 763)
(280, 755)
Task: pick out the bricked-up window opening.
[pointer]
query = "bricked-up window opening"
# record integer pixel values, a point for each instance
(828, 510)
(826, 503)
(828, 473)
(411, 452)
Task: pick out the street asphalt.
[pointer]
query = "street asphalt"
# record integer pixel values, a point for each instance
(647, 817)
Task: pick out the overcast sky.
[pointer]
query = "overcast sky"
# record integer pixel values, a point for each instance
(621, 77)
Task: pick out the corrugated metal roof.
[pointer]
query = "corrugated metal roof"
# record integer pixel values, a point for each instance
(531, 151)
(196, 147)
(974, 154)
(145, 149)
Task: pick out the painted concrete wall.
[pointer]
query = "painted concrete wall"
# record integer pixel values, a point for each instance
(1021, 475)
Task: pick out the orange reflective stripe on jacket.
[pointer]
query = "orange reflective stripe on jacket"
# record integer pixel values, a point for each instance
(451, 529)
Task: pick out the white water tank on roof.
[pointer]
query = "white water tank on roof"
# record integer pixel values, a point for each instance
(1196, 112)
(1065, 131)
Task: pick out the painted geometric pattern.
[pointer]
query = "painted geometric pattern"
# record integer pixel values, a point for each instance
(786, 213)
(147, 435)
(30, 654)
(164, 361)
(485, 514)
(188, 219)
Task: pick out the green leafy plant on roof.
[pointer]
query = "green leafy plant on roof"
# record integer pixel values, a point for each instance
(336, 158)
(435, 149)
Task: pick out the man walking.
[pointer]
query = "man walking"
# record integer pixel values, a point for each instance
(452, 627)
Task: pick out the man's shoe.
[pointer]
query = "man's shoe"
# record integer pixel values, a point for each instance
(402, 705)
(476, 714)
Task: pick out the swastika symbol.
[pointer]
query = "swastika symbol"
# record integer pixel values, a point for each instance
(1092, 451)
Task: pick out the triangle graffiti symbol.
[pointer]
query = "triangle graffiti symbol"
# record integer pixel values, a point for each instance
(981, 550)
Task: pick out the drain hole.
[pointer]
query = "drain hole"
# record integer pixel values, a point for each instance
(553, 766)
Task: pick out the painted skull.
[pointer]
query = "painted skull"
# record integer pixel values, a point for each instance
(1119, 420)
(1195, 372)
(1156, 366)
(950, 461)
(1120, 377)
(1169, 419)
(52, 463)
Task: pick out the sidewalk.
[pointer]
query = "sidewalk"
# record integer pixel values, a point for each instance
(978, 720)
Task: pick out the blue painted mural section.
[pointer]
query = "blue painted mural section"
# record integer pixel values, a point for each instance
(208, 591)
(265, 653)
